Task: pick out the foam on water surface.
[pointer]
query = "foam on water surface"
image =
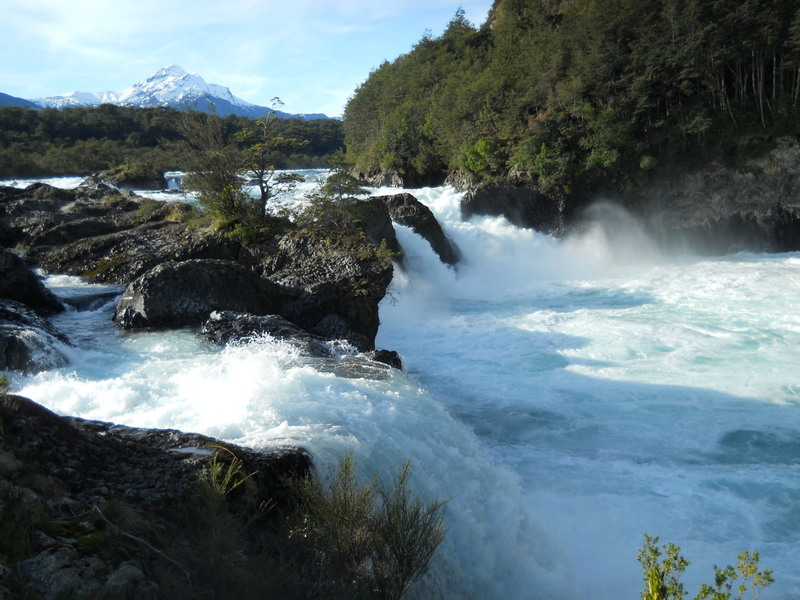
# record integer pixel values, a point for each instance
(565, 396)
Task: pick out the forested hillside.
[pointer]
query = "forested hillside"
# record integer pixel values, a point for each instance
(580, 94)
(77, 141)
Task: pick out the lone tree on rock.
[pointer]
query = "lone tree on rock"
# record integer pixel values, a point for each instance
(220, 164)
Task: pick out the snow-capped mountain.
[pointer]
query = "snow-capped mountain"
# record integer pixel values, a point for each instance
(173, 87)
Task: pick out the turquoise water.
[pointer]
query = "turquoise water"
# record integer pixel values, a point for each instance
(565, 396)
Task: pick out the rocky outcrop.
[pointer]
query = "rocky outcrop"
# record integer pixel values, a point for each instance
(103, 235)
(522, 205)
(394, 178)
(28, 341)
(184, 293)
(125, 255)
(379, 178)
(337, 280)
(32, 212)
(130, 177)
(94, 508)
(406, 210)
(42, 217)
(376, 223)
(328, 283)
(226, 327)
(754, 205)
(747, 200)
(19, 283)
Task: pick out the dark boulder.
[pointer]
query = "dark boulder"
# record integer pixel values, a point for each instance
(226, 327)
(387, 357)
(522, 205)
(19, 283)
(406, 210)
(186, 293)
(28, 342)
(376, 223)
(338, 280)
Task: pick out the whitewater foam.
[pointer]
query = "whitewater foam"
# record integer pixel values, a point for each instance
(564, 396)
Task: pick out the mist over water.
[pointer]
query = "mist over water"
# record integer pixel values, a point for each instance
(564, 396)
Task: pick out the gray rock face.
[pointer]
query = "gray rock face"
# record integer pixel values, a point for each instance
(102, 235)
(123, 256)
(28, 342)
(381, 178)
(20, 284)
(522, 205)
(377, 224)
(185, 293)
(336, 285)
(61, 571)
(755, 206)
(407, 210)
(393, 178)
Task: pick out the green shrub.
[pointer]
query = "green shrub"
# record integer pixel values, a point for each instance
(368, 543)
(17, 523)
(661, 575)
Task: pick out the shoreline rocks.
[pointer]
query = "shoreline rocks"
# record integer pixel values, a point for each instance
(721, 209)
(92, 502)
(747, 201)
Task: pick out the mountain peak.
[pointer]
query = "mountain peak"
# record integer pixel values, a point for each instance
(173, 86)
(169, 86)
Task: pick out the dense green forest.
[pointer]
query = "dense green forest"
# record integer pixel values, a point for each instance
(77, 141)
(580, 94)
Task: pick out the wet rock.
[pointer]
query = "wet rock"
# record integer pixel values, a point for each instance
(406, 210)
(227, 327)
(387, 357)
(522, 205)
(29, 342)
(337, 283)
(187, 292)
(128, 177)
(19, 283)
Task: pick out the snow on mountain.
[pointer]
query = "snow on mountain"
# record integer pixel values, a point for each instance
(73, 99)
(173, 87)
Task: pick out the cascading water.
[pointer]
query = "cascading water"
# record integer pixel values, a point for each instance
(564, 397)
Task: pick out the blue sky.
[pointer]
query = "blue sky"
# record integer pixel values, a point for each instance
(310, 53)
